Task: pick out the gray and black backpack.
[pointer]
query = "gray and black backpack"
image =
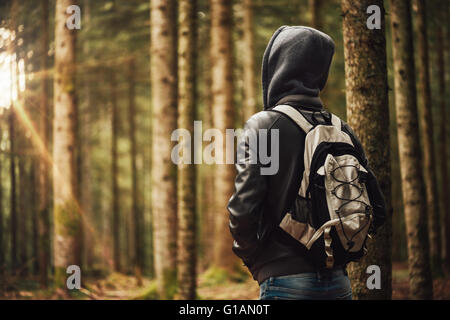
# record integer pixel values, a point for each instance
(332, 212)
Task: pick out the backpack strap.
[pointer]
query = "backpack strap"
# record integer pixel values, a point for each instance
(295, 115)
(335, 121)
(301, 121)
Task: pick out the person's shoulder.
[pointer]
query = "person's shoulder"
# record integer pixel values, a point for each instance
(262, 120)
(346, 128)
(274, 120)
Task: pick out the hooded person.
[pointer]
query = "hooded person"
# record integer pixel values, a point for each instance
(295, 69)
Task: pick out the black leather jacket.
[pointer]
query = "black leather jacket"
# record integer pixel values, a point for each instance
(260, 201)
(294, 71)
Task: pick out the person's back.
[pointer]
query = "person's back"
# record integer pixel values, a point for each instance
(295, 70)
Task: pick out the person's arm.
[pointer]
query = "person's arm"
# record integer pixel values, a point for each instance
(375, 194)
(245, 204)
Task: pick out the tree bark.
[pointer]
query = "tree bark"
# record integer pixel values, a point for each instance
(248, 58)
(32, 180)
(87, 118)
(440, 49)
(187, 250)
(13, 208)
(208, 212)
(29, 143)
(23, 212)
(22, 144)
(44, 178)
(207, 171)
(447, 215)
(12, 160)
(367, 111)
(2, 220)
(138, 220)
(223, 118)
(67, 221)
(426, 121)
(79, 184)
(116, 234)
(413, 192)
(164, 117)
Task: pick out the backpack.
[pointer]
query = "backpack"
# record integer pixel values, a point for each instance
(332, 212)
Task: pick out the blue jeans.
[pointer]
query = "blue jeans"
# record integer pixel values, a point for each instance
(307, 286)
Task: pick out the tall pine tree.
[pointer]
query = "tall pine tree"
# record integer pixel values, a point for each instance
(409, 152)
(223, 118)
(367, 111)
(67, 219)
(164, 117)
(186, 169)
(426, 119)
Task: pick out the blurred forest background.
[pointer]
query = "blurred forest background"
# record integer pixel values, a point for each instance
(86, 117)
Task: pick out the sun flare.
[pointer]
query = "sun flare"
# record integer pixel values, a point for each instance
(12, 72)
(6, 80)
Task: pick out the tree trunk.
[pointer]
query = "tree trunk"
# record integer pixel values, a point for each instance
(85, 150)
(34, 216)
(12, 160)
(127, 221)
(447, 214)
(116, 234)
(67, 219)
(22, 144)
(13, 208)
(413, 192)
(315, 8)
(248, 58)
(79, 184)
(2, 219)
(23, 211)
(426, 121)
(440, 42)
(138, 220)
(30, 144)
(164, 117)
(44, 182)
(223, 118)
(367, 111)
(207, 171)
(208, 212)
(187, 250)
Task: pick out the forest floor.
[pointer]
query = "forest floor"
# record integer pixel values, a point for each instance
(212, 286)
